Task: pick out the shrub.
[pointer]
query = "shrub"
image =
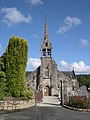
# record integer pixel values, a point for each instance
(7, 94)
(79, 102)
(1, 94)
(27, 94)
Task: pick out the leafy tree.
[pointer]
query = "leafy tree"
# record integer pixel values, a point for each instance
(15, 59)
(84, 80)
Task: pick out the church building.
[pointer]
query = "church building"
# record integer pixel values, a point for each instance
(47, 78)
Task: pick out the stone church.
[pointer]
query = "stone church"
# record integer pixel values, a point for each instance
(47, 78)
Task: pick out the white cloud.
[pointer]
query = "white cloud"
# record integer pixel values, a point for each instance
(33, 63)
(14, 16)
(69, 22)
(0, 46)
(64, 65)
(78, 67)
(35, 2)
(84, 42)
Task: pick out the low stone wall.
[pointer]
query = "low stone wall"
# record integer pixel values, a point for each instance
(16, 104)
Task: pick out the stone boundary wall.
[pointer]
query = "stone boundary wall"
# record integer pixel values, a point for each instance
(16, 104)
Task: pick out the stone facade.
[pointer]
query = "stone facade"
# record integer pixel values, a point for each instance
(47, 78)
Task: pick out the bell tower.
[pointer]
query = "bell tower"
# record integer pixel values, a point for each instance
(46, 46)
(46, 63)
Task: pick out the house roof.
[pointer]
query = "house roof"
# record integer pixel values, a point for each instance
(28, 72)
(70, 74)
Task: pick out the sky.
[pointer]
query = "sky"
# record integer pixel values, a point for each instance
(68, 29)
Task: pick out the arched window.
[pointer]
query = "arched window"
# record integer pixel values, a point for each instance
(46, 44)
(44, 52)
(73, 88)
(48, 52)
(47, 73)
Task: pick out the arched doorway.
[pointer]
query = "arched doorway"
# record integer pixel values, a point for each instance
(46, 91)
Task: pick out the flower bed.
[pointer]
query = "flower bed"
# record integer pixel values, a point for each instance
(79, 102)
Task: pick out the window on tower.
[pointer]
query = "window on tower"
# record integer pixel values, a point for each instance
(46, 44)
(48, 52)
(44, 52)
(47, 73)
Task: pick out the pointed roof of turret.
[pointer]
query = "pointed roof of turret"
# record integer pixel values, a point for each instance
(46, 30)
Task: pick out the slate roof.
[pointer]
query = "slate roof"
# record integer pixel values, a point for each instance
(70, 74)
(28, 72)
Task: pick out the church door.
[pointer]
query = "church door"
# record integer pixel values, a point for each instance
(46, 91)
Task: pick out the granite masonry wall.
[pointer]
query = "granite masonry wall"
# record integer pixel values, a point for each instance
(17, 104)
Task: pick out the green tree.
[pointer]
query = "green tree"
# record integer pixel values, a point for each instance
(2, 79)
(15, 59)
(84, 80)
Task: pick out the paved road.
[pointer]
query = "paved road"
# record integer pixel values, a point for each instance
(46, 113)
(51, 101)
(40, 112)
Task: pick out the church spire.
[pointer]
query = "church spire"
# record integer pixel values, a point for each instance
(46, 45)
(46, 30)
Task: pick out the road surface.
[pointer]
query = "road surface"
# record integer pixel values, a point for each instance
(45, 111)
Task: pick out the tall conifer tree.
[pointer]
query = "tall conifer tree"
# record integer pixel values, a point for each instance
(15, 64)
(2, 79)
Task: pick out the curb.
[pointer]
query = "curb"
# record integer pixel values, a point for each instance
(76, 109)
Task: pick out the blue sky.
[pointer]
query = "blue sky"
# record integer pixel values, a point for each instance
(68, 27)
